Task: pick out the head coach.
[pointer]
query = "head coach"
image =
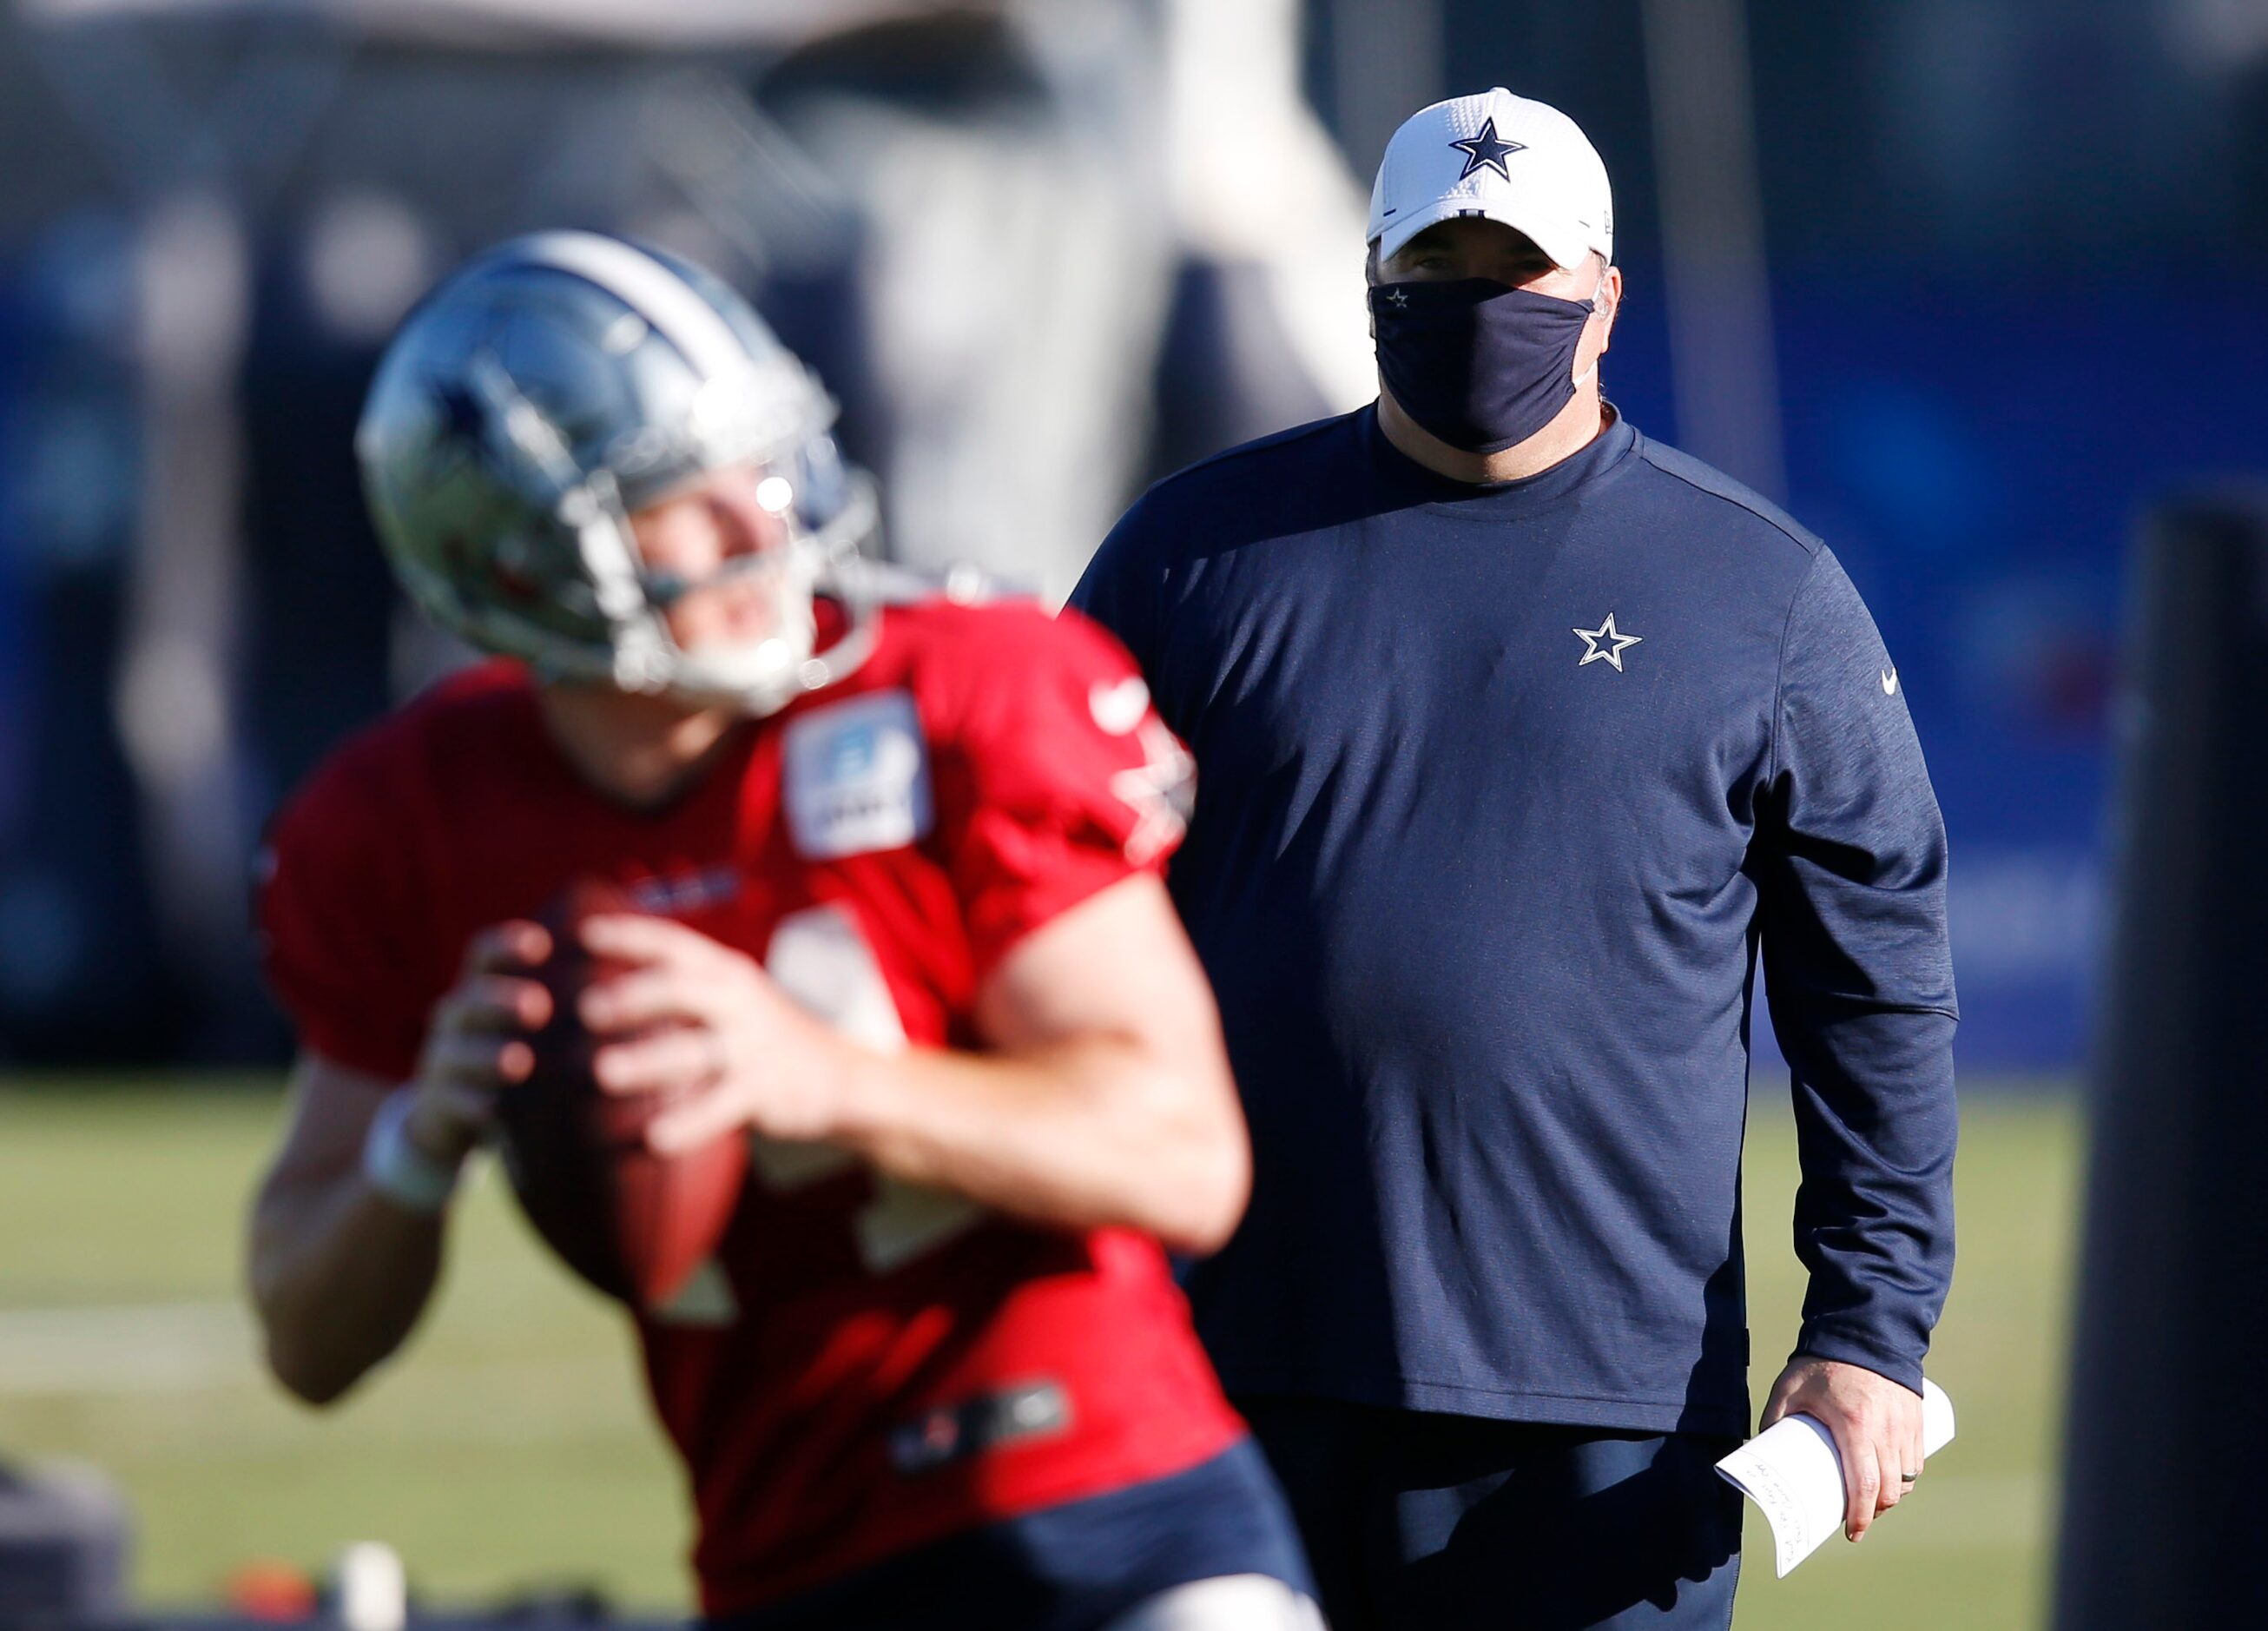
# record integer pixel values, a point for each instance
(1517, 734)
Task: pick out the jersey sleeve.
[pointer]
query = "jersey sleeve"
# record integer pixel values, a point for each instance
(1850, 870)
(334, 908)
(1058, 779)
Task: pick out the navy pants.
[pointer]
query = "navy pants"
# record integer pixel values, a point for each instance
(1416, 1521)
(1070, 1568)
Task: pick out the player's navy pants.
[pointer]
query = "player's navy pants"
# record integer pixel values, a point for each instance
(1416, 1521)
(1076, 1567)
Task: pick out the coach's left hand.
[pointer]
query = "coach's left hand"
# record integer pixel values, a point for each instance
(1876, 1424)
(702, 1022)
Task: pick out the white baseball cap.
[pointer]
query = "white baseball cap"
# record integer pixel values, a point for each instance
(1501, 157)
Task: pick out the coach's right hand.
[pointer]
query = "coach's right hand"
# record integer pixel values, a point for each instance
(1875, 1424)
(475, 1043)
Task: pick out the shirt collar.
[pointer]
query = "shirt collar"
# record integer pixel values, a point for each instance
(1494, 500)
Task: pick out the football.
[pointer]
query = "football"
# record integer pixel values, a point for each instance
(633, 1223)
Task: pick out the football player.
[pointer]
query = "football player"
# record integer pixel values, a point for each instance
(897, 859)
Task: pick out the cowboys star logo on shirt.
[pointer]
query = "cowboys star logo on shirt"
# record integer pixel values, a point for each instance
(1606, 644)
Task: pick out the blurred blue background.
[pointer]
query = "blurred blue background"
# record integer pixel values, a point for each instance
(1968, 284)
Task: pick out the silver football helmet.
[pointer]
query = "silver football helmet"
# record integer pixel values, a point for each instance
(557, 384)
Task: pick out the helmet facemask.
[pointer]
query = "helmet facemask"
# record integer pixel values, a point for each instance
(811, 514)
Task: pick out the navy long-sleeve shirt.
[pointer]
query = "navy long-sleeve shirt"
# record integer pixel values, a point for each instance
(1498, 790)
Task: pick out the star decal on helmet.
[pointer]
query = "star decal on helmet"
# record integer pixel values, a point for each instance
(1484, 152)
(466, 428)
(464, 415)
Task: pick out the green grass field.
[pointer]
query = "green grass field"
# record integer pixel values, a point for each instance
(511, 1446)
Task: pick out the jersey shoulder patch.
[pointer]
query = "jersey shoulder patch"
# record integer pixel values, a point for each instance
(857, 777)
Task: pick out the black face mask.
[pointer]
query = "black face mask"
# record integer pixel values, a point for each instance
(1480, 366)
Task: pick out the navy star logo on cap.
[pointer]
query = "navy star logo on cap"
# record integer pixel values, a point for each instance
(1484, 152)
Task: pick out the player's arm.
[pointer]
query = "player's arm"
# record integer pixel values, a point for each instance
(1104, 1096)
(346, 1228)
(1850, 871)
(1108, 1098)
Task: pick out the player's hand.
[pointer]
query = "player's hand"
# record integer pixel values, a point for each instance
(704, 1024)
(474, 1043)
(1876, 1425)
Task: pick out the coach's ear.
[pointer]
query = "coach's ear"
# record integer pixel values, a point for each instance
(1611, 285)
(1596, 340)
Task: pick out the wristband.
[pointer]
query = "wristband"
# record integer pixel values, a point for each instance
(397, 1169)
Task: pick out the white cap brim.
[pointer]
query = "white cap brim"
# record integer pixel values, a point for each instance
(1555, 235)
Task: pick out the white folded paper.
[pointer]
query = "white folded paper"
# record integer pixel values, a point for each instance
(1792, 1472)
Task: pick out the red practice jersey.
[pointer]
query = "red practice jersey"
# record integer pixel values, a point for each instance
(866, 1365)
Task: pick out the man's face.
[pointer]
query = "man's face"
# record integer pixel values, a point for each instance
(733, 518)
(1471, 247)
